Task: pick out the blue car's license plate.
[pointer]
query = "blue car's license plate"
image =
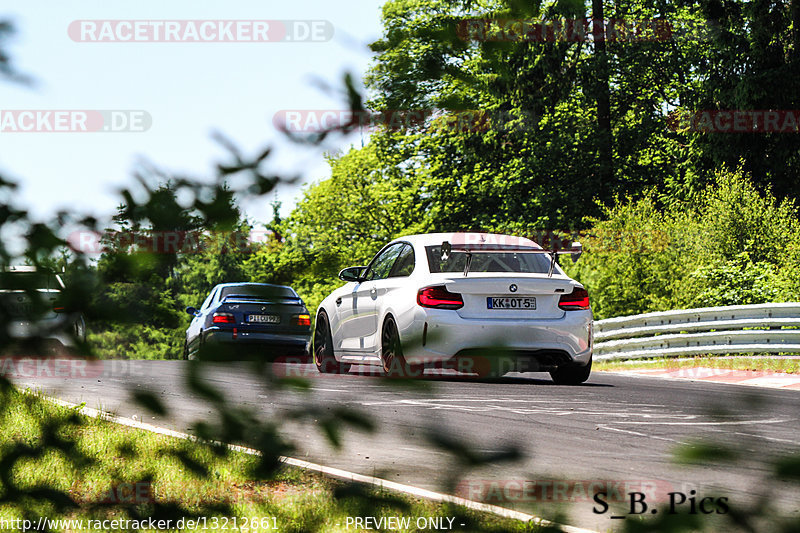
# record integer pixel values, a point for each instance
(504, 302)
(264, 319)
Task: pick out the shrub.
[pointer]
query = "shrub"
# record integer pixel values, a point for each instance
(733, 245)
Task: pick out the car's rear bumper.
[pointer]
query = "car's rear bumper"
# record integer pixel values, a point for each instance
(58, 330)
(290, 344)
(435, 336)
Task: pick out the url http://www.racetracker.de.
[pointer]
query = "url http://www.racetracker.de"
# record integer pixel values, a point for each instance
(242, 524)
(215, 523)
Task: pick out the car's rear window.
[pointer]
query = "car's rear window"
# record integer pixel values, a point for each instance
(511, 261)
(259, 291)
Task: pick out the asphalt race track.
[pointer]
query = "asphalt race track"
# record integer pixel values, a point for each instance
(615, 433)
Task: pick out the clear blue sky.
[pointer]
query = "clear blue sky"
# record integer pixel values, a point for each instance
(189, 89)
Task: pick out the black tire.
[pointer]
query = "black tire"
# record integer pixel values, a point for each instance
(324, 359)
(195, 355)
(80, 330)
(392, 360)
(572, 375)
(185, 351)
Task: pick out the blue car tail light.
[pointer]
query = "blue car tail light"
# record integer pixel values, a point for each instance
(223, 318)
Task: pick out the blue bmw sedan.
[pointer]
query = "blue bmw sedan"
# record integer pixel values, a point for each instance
(259, 317)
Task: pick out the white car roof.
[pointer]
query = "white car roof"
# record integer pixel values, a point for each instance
(464, 238)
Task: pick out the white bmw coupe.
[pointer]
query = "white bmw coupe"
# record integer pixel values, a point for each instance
(473, 302)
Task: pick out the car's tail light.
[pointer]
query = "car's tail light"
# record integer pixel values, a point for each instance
(59, 309)
(301, 320)
(577, 299)
(223, 318)
(439, 297)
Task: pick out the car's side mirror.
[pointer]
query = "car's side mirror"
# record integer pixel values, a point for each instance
(192, 311)
(351, 273)
(577, 250)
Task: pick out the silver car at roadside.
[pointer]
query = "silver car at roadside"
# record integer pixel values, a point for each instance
(32, 312)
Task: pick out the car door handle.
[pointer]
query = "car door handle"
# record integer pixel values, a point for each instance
(339, 301)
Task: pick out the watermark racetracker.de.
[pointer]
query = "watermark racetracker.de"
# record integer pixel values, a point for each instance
(199, 241)
(505, 491)
(36, 367)
(139, 492)
(165, 242)
(74, 121)
(735, 121)
(200, 31)
(614, 30)
(306, 121)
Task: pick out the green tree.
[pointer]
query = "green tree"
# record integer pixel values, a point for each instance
(161, 257)
(339, 222)
(570, 120)
(753, 64)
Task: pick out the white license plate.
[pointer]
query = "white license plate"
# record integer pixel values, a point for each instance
(264, 319)
(505, 302)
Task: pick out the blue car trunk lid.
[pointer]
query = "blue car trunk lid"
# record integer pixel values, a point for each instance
(264, 314)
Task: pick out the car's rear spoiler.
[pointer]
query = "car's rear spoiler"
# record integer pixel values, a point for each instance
(257, 298)
(575, 252)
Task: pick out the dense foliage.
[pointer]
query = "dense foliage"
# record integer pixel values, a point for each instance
(732, 245)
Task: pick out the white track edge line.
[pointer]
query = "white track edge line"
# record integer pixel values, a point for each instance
(327, 470)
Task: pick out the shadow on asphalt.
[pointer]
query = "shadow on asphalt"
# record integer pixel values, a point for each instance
(310, 372)
(372, 372)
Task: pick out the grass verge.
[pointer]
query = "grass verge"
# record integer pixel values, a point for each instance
(58, 464)
(759, 363)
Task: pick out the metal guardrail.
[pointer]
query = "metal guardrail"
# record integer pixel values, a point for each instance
(761, 328)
